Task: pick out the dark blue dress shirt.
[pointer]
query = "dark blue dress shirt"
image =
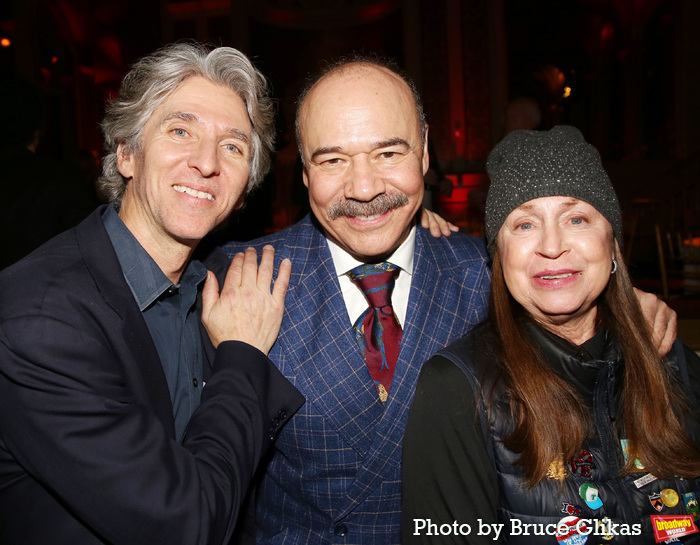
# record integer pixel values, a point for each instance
(171, 315)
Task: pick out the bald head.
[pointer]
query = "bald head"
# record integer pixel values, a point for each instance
(359, 65)
(363, 140)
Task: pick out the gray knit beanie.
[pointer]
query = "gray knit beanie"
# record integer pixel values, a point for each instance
(527, 165)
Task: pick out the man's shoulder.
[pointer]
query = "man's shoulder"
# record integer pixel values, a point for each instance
(302, 234)
(476, 340)
(50, 273)
(24, 285)
(458, 247)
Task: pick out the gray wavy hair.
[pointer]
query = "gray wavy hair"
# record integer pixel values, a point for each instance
(155, 77)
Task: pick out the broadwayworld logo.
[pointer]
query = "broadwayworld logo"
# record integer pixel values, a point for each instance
(670, 526)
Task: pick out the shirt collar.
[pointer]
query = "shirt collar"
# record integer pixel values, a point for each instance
(402, 256)
(146, 280)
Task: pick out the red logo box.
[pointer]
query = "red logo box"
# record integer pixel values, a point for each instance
(669, 526)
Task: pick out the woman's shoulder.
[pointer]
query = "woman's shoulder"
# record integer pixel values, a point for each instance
(474, 349)
(685, 363)
(468, 358)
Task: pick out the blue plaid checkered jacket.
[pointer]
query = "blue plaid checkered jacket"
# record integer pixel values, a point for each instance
(335, 475)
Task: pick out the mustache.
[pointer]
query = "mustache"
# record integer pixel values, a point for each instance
(376, 207)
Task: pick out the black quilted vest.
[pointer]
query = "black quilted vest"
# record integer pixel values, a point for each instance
(623, 512)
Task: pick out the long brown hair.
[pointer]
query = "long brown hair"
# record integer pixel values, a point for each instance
(551, 420)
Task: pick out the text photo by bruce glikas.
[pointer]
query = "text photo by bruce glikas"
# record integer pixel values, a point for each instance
(571, 530)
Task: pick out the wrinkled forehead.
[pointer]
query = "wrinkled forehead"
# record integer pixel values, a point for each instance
(357, 86)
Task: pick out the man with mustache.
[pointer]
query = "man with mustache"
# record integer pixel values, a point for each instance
(335, 475)
(335, 472)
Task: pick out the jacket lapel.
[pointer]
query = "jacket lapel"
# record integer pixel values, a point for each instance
(437, 310)
(101, 260)
(319, 349)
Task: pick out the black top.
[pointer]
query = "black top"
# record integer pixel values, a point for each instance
(445, 476)
(448, 474)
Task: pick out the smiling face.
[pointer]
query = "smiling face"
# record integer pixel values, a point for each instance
(192, 168)
(556, 255)
(364, 159)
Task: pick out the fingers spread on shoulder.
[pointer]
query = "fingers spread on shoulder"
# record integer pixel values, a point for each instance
(250, 267)
(661, 320)
(266, 267)
(234, 273)
(437, 225)
(665, 330)
(247, 310)
(282, 282)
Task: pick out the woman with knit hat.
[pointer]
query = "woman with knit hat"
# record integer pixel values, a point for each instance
(556, 420)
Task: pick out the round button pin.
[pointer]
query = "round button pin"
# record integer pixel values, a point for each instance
(670, 497)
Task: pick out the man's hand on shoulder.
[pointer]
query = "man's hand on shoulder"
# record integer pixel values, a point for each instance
(661, 319)
(437, 224)
(246, 309)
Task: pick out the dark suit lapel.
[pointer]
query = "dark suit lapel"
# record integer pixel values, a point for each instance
(433, 307)
(328, 364)
(101, 260)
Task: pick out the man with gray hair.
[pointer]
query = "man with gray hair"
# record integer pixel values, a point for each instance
(107, 433)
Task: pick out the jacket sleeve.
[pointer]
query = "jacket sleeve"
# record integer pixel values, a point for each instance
(448, 478)
(72, 420)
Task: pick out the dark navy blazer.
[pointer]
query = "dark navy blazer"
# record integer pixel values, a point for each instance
(87, 445)
(335, 476)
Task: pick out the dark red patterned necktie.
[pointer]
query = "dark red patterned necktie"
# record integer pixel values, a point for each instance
(378, 330)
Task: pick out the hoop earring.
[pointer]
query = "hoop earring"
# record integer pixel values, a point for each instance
(614, 267)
